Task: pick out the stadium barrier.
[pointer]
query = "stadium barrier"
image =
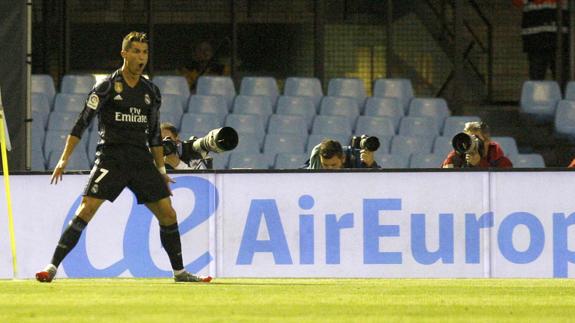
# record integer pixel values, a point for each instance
(426, 224)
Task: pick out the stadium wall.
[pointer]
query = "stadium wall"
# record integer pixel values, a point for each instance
(298, 224)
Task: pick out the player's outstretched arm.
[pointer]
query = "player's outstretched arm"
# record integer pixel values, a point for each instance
(71, 142)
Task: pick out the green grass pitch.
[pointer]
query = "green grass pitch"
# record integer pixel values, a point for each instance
(295, 300)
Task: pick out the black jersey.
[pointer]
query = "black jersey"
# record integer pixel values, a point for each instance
(126, 115)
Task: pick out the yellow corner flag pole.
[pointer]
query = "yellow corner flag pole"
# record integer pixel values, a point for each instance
(8, 197)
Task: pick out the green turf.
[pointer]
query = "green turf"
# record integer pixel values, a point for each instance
(296, 300)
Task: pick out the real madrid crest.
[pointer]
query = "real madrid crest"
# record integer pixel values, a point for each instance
(147, 99)
(118, 87)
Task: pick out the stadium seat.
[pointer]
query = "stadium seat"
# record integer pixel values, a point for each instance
(435, 108)
(418, 126)
(348, 87)
(401, 89)
(44, 84)
(56, 140)
(290, 161)
(315, 138)
(407, 145)
(374, 126)
(66, 102)
(442, 146)
(527, 161)
(39, 120)
(539, 99)
(248, 143)
(331, 125)
(38, 162)
(293, 124)
(425, 161)
(78, 160)
(62, 120)
(208, 104)
(283, 143)
(260, 85)
(173, 85)
(247, 124)
(198, 125)
(508, 144)
(247, 160)
(40, 102)
(254, 104)
(570, 91)
(171, 117)
(384, 145)
(93, 138)
(308, 87)
(297, 105)
(37, 142)
(79, 84)
(565, 119)
(389, 161)
(456, 124)
(217, 85)
(220, 161)
(172, 103)
(385, 107)
(340, 106)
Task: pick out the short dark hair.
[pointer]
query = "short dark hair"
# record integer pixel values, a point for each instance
(329, 148)
(170, 127)
(134, 36)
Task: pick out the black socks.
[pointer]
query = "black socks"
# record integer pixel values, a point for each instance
(170, 237)
(68, 240)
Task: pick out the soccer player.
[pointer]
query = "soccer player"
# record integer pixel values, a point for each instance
(127, 106)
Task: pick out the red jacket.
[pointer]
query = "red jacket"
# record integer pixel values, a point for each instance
(495, 158)
(572, 165)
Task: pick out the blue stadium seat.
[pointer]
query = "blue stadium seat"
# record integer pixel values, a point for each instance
(340, 106)
(220, 161)
(527, 161)
(56, 140)
(400, 89)
(309, 87)
(37, 140)
(385, 107)
(198, 125)
(66, 102)
(435, 108)
(290, 161)
(407, 145)
(315, 138)
(171, 117)
(508, 144)
(425, 161)
(247, 124)
(247, 160)
(254, 104)
(40, 102)
(418, 126)
(208, 104)
(173, 85)
(442, 146)
(297, 105)
(570, 91)
(374, 126)
(384, 145)
(331, 125)
(79, 84)
(62, 120)
(78, 160)
(388, 161)
(283, 143)
(565, 119)
(456, 124)
(172, 103)
(260, 85)
(348, 87)
(38, 162)
(93, 138)
(44, 84)
(217, 85)
(293, 124)
(249, 143)
(539, 99)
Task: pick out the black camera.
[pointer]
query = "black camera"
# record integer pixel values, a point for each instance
(366, 142)
(217, 140)
(464, 143)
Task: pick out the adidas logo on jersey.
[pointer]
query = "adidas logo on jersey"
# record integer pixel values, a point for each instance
(118, 98)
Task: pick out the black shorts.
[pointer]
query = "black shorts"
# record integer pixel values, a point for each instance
(117, 167)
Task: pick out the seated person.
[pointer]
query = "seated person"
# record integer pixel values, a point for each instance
(329, 154)
(172, 159)
(203, 63)
(488, 153)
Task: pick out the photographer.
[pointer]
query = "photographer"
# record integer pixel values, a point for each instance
(172, 142)
(329, 154)
(473, 148)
